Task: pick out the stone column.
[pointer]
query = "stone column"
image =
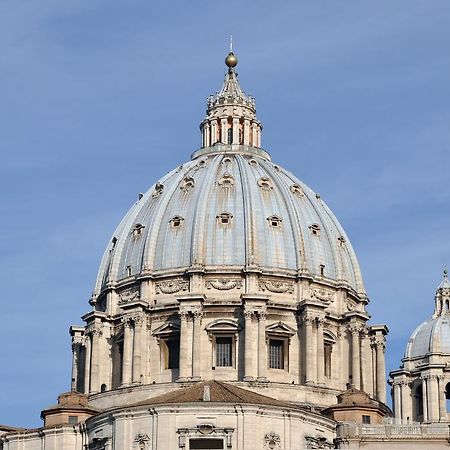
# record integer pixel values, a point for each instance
(96, 333)
(262, 347)
(258, 137)
(223, 126)
(254, 135)
(442, 399)
(76, 348)
(356, 357)
(127, 351)
(185, 371)
(397, 403)
(246, 132)
(87, 363)
(381, 372)
(249, 366)
(196, 345)
(406, 402)
(137, 346)
(235, 131)
(424, 399)
(213, 132)
(310, 363)
(433, 396)
(366, 362)
(320, 351)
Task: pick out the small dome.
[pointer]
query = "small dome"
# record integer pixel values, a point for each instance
(433, 336)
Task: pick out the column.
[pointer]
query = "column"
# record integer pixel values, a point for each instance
(213, 132)
(442, 399)
(320, 351)
(258, 137)
(223, 126)
(208, 135)
(309, 351)
(246, 132)
(262, 347)
(127, 351)
(424, 399)
(184, 346)
(95, 356)
(406, 402)
(397, 403)
(254, 135)
(433, 395)
(381, 372)
(196, 345)
(366, 362)
(356, 357)
(137, 345)
(248, 370)
(235, 131)
(75, 362)
(87, 364)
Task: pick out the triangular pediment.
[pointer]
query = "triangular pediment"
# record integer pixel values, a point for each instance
(166, 329)
(280, 328)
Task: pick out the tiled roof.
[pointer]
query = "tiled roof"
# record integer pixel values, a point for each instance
(219, 392)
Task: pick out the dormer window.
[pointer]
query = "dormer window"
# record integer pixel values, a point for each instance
(315, 229)
(341, 240)
(297, 190)
(227, 181)
(158, 190)
(322, 270)
(176, 221)
(187, 184)
(224, 218)
(274, 221)
(137, 229)
(265, 184)
(129, 271)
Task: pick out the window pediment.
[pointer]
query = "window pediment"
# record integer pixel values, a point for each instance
(230, 326)
(280, 329)
(165, 330)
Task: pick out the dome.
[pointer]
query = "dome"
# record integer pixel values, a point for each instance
(433, 336)
(230, 207)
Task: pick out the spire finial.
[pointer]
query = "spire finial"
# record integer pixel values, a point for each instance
(231, 60)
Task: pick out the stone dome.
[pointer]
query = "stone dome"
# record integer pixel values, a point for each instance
(433, 336)
(230, 207)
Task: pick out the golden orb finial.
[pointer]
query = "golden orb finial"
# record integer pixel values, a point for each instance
(231, 60)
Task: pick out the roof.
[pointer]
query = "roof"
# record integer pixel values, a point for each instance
(217, 392)
(177, 224)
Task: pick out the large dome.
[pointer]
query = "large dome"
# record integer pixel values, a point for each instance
(230, 207)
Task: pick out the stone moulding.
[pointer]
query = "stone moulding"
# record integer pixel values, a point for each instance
(171, 286)
(129, 295)
(223, 284)
(278, 287)
(324, 295)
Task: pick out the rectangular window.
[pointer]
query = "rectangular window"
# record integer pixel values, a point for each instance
(327, 360)
(224, 351)
(276, 354)
(173, 353)
(73, 420)
(366, 420)
(205, 444)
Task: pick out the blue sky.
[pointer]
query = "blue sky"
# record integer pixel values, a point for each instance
(101, 98)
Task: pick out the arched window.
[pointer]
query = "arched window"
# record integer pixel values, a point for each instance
(447, 397)
(230, 135)
(418, 397)
(328, 342)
